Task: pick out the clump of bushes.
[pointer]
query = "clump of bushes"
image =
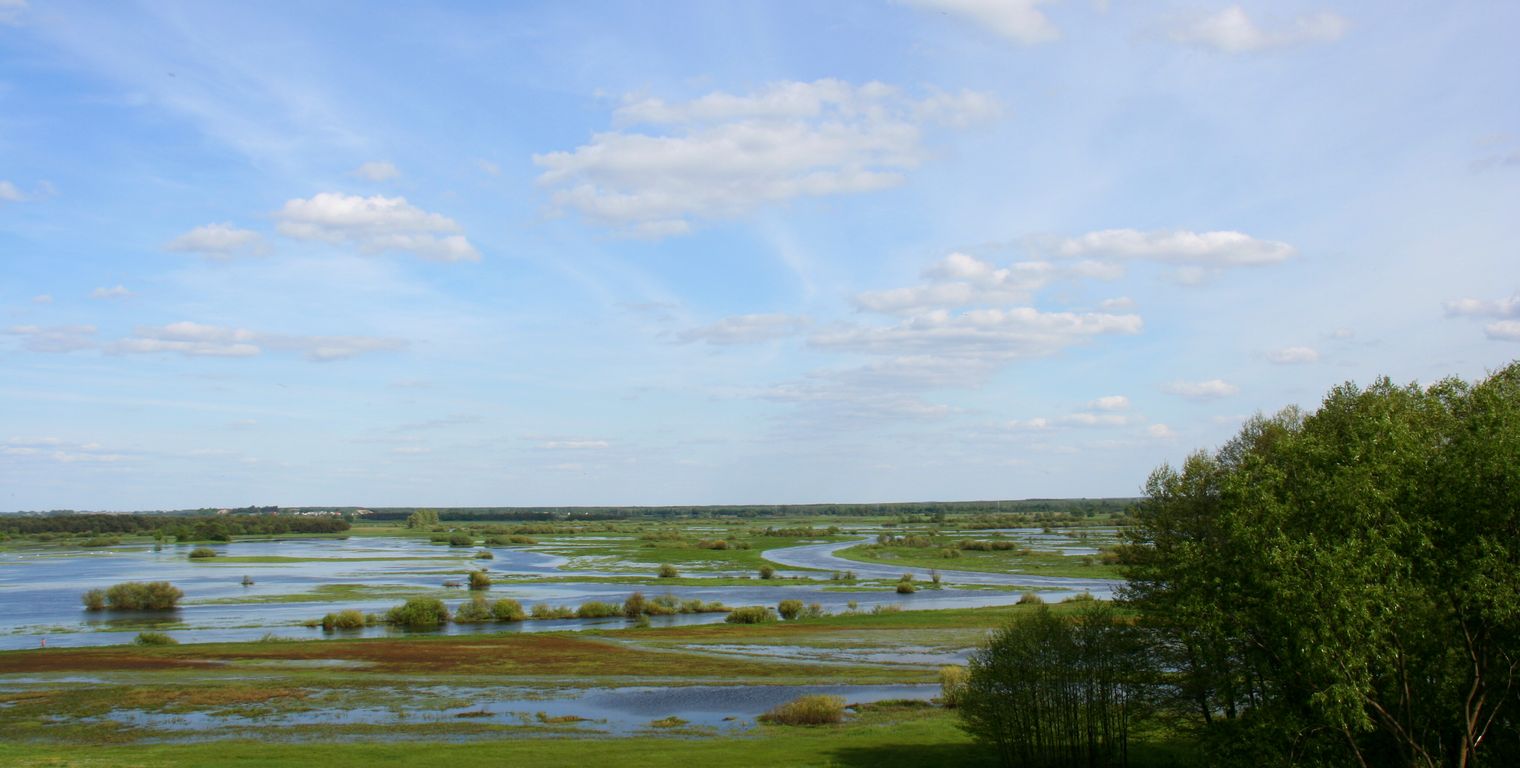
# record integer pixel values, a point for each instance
(135, 596)
(668, 571)
(905, 585)
(1080, 597)
(751, 614)
(952, 685)
(461, 540)
(485, 554)
(767, 572)
(419, 613)
(807, 710)
(949, 554)
(987, 546)
(789, 609)
(345, 619)
(507, 609)
(480, 580)
(101, 541)
(1030, 598)
(154, 638)
(476, 611)
(635, 606)
(546, 611)
(200, 553)
(814, 611)
(596, 609)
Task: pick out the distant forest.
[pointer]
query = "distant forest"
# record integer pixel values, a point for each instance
(182, 527)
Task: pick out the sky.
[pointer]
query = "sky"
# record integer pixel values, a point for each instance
(455, 254)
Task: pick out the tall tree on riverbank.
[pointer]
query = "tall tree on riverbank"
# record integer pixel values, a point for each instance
(1344, 586)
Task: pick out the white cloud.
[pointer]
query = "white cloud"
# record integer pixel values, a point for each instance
(1078, 419)
(1160, 431)
(218, 241)
(8, 191)
(960, 280)
(722, 155)
(54, 338)
(747, 329)
(377, 171)
(1003, 334)
(576, 445)
(1231, 30)
(1293, 355)
(63, 451)
(1504, 330)
(200, 340)
(1018, 20)
(1117, 304)
(114, 292)
(11, 11)
(1508, 307)
(1202, 390)
(1180, 246)
(42, 298)
(488, 168)
(375, 224)
(1110, 403)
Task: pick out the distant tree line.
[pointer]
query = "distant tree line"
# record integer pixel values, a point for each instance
(991, 512)
(199, 528)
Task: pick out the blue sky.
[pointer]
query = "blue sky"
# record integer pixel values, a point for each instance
(748, 252)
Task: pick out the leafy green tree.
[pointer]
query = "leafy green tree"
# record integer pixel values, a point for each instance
(422, 518)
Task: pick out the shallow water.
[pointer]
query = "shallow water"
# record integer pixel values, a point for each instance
(40, 592)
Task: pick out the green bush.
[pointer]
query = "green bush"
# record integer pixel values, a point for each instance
(485, 554)
(200, 553)
(140, 596)
(751, 614)
(154, 638)
(767, 572)
(789, 609)
(807, 710)
(507, 609)
(635, 606)
(952, 685)
(1030, 598)
(906, 588)
(480, 580)
(546, 611)
(476, 611)
(668, 571)
(419, 613)
(596, 609)
(95, 600)
(100, 541)
(814, 611)
(461, 540)
(345, 619)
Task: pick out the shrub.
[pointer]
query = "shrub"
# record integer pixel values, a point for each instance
(751, 614)
(949, 554)
(202, 552)
(497, 541)
(154, 638)
(461, 540)
(814, 611)
(1081, 597)
(480, 580)
(881, 610)
(789, 609)
(419, 613)
(668, 571)
(95, 600)
(476, 611)
(546, 611)
(485, 554)
(807, 710)
(934, 577)
(518, 538)
(767, 572)
(345, 619)
(664, 605)
(596, 609)
(507, 609)
(139, 596)
(952, 685)
(695, 605)
(1030, 598)
(905, 585)
(635, 606)
(101, 541)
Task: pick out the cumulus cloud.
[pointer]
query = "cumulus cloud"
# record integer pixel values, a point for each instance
(1508, 307)
(959, 280)
(200, 340)
(375, 224)
(377, 171)
(1177, 246)
(1117, 303)
(1293, 355)
(1504, 330)
(747, 329)
(668, 165)
(218, 241)
(114, 292)
(1160, 431)
(1232, 30)
(1078, 419)
(54, 338)
(1018, 20)
(1202, 390)
(1110, 403)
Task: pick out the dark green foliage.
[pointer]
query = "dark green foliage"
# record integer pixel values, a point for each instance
(595, 609)
(419, 613)
(905, 585)
(182, 527)
(201, 553)
(789, 609)
(475, 611)
(507, 609)
(635, 606)
(154, 638)
(95, 600)
(345, 619)
(1343, 586)
(137, 596)
(461, 540)
(1054, 691)
(422, 518)
(751, 614)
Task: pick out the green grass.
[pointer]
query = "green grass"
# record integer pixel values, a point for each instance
(1010, 561)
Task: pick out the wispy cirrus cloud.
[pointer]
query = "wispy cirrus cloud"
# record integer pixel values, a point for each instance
(746, 329)
(1018, 20)
(192, 339)
(1232, 30)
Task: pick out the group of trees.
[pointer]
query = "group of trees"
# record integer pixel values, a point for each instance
(1337, 587)
(184, 528)
(992, 513)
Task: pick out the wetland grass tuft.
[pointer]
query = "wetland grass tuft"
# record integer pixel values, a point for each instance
(807, 710)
